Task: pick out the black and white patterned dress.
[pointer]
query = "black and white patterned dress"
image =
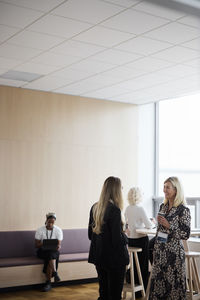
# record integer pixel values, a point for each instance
(169, 274)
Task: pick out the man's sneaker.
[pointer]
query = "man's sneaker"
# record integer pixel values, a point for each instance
(47, 287)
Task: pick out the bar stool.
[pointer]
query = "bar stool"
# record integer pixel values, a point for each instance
(192, 275)
(193, 281)
(132, 287)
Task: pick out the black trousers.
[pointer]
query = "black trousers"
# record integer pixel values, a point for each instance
(111, 282)
(47, 256)
(143, 258)
(151, 247)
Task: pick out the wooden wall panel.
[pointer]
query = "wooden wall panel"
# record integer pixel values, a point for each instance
(56, 151)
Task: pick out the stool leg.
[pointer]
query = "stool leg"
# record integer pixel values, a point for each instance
(148, 286)
(132, 276)
(196, 275)
(190, 278)
(139, 273)
(124, 295)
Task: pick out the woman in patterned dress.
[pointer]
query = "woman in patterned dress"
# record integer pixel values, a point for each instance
(169, 273)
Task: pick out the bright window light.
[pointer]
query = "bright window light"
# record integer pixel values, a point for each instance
(179, 143)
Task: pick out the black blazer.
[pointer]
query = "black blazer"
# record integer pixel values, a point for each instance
(109, 248)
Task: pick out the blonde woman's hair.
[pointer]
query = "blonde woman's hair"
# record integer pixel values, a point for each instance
(111, 190)
(134, 196)
(179, 198)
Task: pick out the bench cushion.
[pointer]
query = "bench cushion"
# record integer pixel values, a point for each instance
(73, 257)
(32, 260)
(19, 261)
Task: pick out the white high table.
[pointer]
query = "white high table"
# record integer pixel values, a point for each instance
(193, 233)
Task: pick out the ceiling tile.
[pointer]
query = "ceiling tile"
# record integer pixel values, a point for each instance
(157, 9)
(132, 21)
(76, 48)
(86, 85)
(6, 32)
(13, 15)
(16, 52)
(104, 80)
(59, 26)
(123, 73)
(116, 57)
(105, 93)
(53, 59)
(193, 44)
(142, 82)
(72, 74)
(36, 68)
(76, 88)
(7, 63)
(35, 40)
(92, 66)
(124, 3)
(195, 63)
(103, 36)
(143, 45)
(91, 11)
(129, 85)
(149, 64)
(48, 83)
(133, 97)
(177, 54)
(190, 20)
(181, 86)
(44, 5)
(174, 33)
(125, 98)
(177, 71)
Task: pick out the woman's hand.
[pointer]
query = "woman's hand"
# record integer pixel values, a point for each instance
(163, 221)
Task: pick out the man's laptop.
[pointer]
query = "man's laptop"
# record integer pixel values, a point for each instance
(50, 244)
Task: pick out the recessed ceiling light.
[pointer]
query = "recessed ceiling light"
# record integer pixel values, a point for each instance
(20, 76)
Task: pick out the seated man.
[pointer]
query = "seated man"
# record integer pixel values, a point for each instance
(50, 257)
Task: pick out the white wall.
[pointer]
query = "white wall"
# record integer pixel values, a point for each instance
(146, 137)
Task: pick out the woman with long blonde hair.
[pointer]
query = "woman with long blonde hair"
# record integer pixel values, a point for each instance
(168, 273)
(108, 249)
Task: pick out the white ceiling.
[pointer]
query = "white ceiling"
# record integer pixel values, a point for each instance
(121, 50)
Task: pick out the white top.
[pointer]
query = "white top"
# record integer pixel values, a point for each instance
(42, 233)
(136, 218)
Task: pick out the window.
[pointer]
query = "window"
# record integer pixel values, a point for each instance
(179, 147)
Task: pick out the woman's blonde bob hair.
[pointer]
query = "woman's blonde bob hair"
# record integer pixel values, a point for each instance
(111, 191)
(134, 195)
(179, 198)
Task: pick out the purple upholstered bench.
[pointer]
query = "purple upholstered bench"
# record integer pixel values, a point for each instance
(18, 247)
(19, 265)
